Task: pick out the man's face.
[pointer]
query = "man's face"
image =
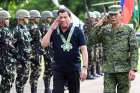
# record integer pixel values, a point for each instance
(26, 20)
(115, 18)
(37, 20)
(64, 19)
(7, 21)
(49, 19)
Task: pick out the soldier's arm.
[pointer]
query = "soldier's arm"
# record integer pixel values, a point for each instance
(97, 31)
(95, 36)
(133, 50)
(10, 44)
(17, 34)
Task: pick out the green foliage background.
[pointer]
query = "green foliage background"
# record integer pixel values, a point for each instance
(76, 6)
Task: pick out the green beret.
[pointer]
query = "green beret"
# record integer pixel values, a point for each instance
(114, 9)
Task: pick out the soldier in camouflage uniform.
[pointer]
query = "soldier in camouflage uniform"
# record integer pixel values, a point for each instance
(120, 52)
(55, 13)
(23, 46)
(7, 55)
(87, 28)
(93, 50)
(98, 50)
(37, 50)
(47, 18)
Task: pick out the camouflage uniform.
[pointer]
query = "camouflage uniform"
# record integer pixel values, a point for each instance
(87, 30)
(7, 55)
(23, 46)
(97, 59)
(37, 50)
(93, 50)
(48, 56)
(55, 13)
(120, 54)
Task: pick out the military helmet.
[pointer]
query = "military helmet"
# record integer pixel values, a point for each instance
(4, 14)
(97, 14)
(22, 13)
(46, 14)
(114, 9)
(55, 13)
(104, 14)
(91, 15)
(34, 14)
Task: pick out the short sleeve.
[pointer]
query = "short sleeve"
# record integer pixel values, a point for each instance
(81, 37)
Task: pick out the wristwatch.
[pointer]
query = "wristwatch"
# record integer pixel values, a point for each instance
(85, 67)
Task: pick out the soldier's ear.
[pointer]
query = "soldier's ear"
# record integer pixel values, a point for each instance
(120, 13)
(121, 16)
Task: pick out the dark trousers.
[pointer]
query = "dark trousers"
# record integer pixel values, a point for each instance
(60, 78)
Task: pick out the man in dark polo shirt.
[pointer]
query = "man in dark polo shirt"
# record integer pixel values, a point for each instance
(68, 42)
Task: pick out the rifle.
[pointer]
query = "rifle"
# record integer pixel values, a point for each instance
(88, 15)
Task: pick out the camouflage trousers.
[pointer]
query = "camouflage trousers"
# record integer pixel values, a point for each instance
(98, 59)
(116, 83)
(22, 75)
(47, 74)
(7, 72)
(90, 64)
(34, 76)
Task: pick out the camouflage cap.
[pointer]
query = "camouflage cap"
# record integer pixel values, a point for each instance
(34, 14)
(114, 9)
(22, 13)
(4, 14)
(46, 14)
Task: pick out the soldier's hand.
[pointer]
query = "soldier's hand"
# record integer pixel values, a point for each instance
(99, 23)
(83, 74)
(131, 75)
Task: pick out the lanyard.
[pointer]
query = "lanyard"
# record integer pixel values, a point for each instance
(66, 46)
(69, 36)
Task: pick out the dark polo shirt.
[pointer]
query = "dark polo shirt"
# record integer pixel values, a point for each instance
(67, 61)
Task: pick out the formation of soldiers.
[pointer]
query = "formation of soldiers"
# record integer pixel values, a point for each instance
(95, 52)
(21, 51)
